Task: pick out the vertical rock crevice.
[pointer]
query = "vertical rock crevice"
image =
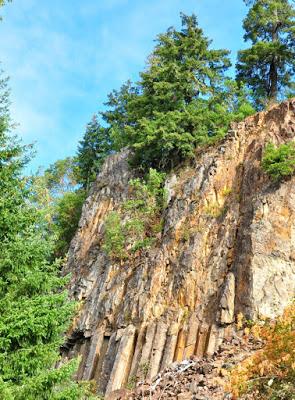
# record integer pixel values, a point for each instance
(227, 246)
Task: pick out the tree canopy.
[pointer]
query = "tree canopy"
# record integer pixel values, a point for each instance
(183, 99)
(34, 307)
(268, 66)
(92, 150)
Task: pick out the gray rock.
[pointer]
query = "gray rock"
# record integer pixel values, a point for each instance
(227, 246)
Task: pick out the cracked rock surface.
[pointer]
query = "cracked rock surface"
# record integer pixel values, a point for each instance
(227, 246)
(195, 379)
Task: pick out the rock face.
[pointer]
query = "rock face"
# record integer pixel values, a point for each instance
(227, 246)
(197, 379)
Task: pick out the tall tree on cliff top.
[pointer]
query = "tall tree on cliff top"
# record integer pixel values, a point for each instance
(178, 102)
(92, 150)
(268, 66)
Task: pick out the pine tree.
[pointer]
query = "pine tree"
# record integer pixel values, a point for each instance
(93, 149)
(181, 101)
(118, 115)
(268, 66)
(34, 308)
(182, 68)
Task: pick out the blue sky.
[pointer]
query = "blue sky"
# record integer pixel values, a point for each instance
(64, 56)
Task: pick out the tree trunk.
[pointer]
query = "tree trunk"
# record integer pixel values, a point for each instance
(273, 68)
(273, 81)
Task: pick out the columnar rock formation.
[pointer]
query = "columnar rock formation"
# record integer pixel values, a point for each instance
(227, 246)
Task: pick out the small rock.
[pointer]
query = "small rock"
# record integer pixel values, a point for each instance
(206, 369)
(223, 372)
(121, 394)
(184, 396)
(200, 397)
(193, 387)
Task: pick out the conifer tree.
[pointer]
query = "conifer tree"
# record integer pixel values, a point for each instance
(181, 101)
(268, 66)
(118, 115)
(92, 150)
(34, 308)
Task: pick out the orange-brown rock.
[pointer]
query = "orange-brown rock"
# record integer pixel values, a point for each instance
(227, 246)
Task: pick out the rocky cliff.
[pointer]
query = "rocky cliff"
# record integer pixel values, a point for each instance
(227, 246)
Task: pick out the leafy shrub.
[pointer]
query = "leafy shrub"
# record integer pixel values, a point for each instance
(270, 372)
(56, 194)
(279, 162)
(67, 214)
(214, 210)
(132, 227)
(114, 240)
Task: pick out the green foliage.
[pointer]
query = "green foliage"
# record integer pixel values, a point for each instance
(117, 115)
(34, 308)
(133, 227)
(2, 3)
(268, 66)
(93, 149)
(182, 100)
(60, 176)
(114, 239)
(279, 162)
(213, 210)
(59, 198)
(67, 213)
(269, 374)
(131, 384)
(144, 368)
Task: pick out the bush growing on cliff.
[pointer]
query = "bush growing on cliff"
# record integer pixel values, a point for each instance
(114, 238)
(134, 226)
(279, 162)
(270, 372)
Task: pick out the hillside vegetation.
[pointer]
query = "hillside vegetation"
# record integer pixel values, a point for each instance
(184, 101)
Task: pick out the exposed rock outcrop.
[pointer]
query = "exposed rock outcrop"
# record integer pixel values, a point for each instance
(227, 246)
(197, 379)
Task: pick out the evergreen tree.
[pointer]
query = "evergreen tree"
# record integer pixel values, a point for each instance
(268, 66)
(181, 101)
(118, 116)
(93, 149)
(34, 309)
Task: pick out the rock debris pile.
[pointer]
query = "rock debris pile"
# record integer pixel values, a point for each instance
(195, 379)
